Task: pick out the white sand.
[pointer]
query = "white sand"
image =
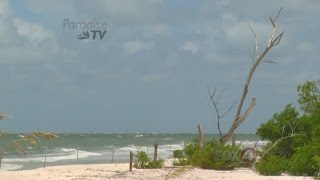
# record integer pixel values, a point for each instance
(120, 171)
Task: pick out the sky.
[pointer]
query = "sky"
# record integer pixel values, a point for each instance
(152, 70)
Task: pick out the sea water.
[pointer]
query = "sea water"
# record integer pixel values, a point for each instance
(100, 148)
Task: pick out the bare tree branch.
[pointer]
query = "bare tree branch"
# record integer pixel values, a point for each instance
(275, 143)
(271, 62)
(239, 117)
(230, 108)
(292, 128)
(256, 53)
(274, 20)
(216, 109)
(248, 111)
(220, 95)
(215, 105)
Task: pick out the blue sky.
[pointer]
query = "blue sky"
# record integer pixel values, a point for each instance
(151, 71)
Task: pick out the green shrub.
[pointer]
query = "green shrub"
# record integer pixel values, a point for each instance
(179, 158)
(180, 162)
(207, 157)
(190, 149)
(178, 154)
(271, 165)
(155, 164)
(296, 134)
(306, 161)
(144, 162)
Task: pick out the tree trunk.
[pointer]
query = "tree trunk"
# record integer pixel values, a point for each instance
(201, 137)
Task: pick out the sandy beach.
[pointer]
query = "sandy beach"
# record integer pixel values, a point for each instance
(120, 171)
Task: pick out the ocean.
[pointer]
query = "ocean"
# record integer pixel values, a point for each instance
(99, 148)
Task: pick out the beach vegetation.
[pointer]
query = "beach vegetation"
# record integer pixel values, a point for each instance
(293, 136)
(272, 165)
(29, 139)
(208, 157)
(179, 158)
(144, 162)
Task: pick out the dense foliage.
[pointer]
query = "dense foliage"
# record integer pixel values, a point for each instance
(144, 162)
(179, 158)
(208, 157)
(294, 137)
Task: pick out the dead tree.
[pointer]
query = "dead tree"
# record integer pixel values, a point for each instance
(214, 101)
(201, 137)
(257, 59)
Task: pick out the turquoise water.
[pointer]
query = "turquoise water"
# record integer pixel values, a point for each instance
(97, 148)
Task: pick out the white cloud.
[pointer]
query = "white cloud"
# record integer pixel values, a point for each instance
(47, 8)
(33, 32)
(33, 42)
(239, 33)
(191, 47)
(5, 10)
(132, 47)
(229, 17)
(23, 41)
(124, 10)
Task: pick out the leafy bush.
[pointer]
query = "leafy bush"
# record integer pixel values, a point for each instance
(181, 158)
(207, 157)
(271, 165)
(178, 154)
(306, 161)
(180, 162)
(190, 149)
(144, 162)
(155, 164)
(297, 136)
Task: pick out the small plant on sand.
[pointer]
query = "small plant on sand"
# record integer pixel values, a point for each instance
(271, 165)
(306, 161)
(211, 156)
(144, 162)
(179, 158)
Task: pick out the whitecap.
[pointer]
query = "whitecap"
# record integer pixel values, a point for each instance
(166, 139)
(11, 167)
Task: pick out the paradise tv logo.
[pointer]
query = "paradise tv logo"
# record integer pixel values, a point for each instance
(90, 29)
